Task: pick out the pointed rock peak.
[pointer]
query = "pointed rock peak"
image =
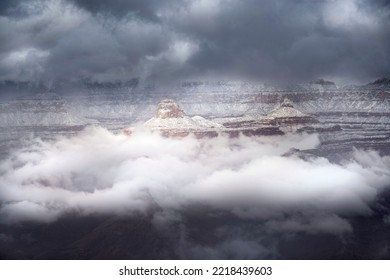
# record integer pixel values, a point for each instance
(287, 103)
(169, 109)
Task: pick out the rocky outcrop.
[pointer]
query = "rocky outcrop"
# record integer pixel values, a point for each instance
(321, 84)
(285, 118)
(380, 83)
(168, 109)
(383, 81)
(169, 116)
(286, 114)
(171, 121)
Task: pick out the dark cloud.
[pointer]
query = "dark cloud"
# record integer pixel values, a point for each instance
(53, 40)
(282, 39)
(8, 6)
(145, 9)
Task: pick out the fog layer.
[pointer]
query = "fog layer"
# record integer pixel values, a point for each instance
(253, 178)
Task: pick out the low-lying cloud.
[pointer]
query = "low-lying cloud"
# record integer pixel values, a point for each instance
(98, 172)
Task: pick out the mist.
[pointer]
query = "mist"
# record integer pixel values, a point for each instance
(97, 172)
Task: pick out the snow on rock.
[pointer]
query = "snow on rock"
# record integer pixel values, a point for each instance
(172, 123)
(287, 115)
(171, 120)
(206, 123)
(286, 110)
(169, 109)
(38, 112)
(170, 116)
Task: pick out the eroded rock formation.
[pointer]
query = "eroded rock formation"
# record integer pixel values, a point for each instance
(171, 121)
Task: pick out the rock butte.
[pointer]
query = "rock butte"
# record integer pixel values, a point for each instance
(171, 121)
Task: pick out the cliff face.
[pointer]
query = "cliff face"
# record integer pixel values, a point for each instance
(343, 118)
(170, 117)
(321, 84)
(171, 121)
(169, 109)
(381, 82)
(43, 110)
(288, 115)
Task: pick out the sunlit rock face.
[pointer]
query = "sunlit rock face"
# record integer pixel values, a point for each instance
(169, 109)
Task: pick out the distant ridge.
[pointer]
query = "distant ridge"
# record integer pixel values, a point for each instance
(381, 82)
(323, 82)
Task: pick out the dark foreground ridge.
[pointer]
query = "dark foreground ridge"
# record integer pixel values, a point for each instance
(198, 236)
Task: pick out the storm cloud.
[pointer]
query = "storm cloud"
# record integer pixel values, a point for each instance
(65, 40)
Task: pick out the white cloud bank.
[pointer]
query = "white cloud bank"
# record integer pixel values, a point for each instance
(99, 172)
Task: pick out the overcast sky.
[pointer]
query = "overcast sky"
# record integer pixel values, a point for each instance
(282, 40)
